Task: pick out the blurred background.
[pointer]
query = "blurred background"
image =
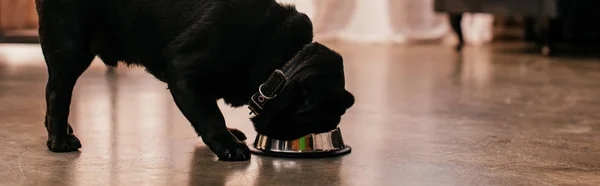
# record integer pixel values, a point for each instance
(18, 21)
(472, 22)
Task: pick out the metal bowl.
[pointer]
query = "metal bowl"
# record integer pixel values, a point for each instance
(320, 145)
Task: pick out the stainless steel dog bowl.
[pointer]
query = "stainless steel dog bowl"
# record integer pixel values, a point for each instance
(320, 145)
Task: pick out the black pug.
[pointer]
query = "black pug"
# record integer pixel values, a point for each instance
(204, 50)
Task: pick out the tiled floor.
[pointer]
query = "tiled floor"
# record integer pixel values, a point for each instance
(424, 116)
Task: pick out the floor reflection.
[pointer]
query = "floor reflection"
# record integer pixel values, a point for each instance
(63, 169)
(207, 171)
(272, 171)
(476, 67)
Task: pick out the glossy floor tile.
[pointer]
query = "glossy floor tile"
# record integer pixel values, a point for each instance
(424, 115)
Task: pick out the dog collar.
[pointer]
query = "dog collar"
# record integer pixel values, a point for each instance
(269, 89)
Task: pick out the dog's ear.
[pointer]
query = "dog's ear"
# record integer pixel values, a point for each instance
(316, 62)
(321, 81)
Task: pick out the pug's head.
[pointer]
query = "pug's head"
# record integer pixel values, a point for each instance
(313, 100)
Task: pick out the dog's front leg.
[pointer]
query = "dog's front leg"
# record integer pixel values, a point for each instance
(206, 118)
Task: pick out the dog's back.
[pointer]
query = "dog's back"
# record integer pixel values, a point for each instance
(141, 31)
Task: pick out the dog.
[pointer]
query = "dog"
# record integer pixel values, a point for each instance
(247, 52)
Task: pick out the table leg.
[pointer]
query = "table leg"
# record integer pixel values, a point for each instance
(455, 20)
(548, 44)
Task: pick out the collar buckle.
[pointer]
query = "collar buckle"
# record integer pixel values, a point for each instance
(267, 91)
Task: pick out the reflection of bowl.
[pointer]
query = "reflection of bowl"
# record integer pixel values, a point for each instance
(310, 146)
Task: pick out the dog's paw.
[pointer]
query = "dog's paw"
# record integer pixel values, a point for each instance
(67, 143)
(238, 134)
(235, 152)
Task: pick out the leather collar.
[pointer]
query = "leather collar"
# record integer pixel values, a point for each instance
(269, 90)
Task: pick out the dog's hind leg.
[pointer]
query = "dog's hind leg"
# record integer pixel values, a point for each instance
(64, 42)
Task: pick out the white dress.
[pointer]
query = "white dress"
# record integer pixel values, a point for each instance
(388, 21)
